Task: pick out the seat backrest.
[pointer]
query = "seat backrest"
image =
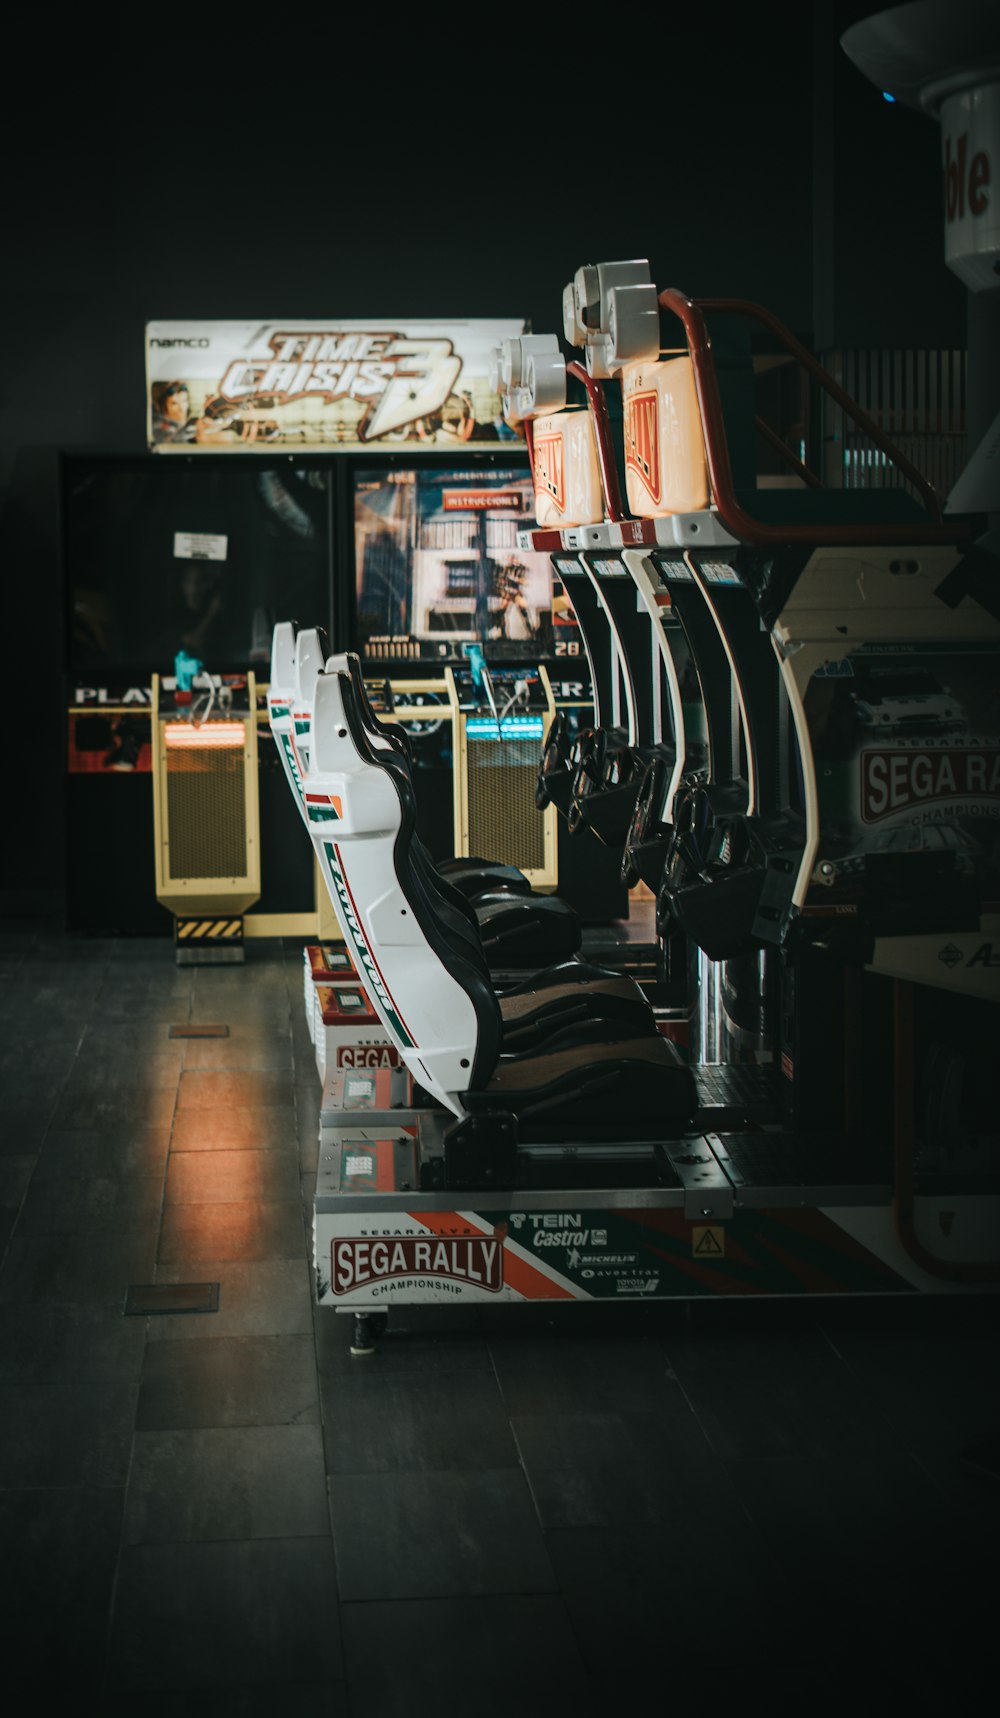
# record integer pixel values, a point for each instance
(457, 917)
(282, 657)
(432, 991)
(280, 702)
(382, 733)
(308, 664)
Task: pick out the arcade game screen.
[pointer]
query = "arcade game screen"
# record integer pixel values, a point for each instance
(437, 567)
(204, 556)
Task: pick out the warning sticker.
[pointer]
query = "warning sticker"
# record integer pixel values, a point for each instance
(708, 1242)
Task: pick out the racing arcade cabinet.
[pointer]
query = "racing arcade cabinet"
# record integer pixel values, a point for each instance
(845, 649)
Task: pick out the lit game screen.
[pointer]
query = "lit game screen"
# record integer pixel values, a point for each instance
(438, 566)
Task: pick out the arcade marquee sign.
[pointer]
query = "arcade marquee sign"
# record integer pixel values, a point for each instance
(329, 384)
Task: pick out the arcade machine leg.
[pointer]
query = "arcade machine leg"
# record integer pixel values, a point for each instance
(368, 1327)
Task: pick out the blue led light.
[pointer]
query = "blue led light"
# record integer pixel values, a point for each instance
(514, 728)
(886, 96)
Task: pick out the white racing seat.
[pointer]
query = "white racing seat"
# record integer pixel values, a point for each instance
(296, 659)
(432, 988)
(518, 929)
(570, 993)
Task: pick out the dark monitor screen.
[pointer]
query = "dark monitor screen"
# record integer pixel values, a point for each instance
(437, 565)
(203, 555)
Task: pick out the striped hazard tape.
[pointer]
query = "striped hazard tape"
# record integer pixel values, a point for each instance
(195, 930)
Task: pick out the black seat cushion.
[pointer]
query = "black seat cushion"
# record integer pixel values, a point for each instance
(632, 1089)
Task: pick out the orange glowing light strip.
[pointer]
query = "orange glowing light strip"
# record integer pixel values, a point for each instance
(207, 734)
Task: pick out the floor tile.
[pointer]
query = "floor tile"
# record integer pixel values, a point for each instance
(246, 1047)
(245, 1089)
(221, 1128)
(437, 1535)
(566, 1368)
(291, 1699)
(66, 1434)
(245, 1229)
(128, 1040)
(777, 1394)
(44, 1343)
(122, 1149)
(222, 1177)
(874, 1536)
(58, 1203)
(507, 1652)
(115, 1107)
(268, 1297)
(657, 1611)
(936, 1378)
(234, 1482)
(403, 1423)
(259, 1612)
(23, 1126)
(37, 1056)
(596, 1507)
(15, 1175)
(61, 1548)
(229, 1381)
(122, 1069)
(593, 1470)
(87, 1270)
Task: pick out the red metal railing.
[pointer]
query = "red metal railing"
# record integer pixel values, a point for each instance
(731, 512)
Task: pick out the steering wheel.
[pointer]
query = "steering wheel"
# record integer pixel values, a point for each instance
(555, 756)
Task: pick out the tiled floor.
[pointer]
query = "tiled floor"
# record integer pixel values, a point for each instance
(586, 1511)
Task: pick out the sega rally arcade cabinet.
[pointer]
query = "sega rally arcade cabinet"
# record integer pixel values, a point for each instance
(795, 744)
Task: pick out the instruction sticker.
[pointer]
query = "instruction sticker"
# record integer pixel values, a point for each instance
(199, 546)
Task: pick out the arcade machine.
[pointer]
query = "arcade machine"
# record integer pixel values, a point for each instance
(823, 835)
(195, 553)
(206, 822)
(465, 639)
(485, 904)
(748, 847)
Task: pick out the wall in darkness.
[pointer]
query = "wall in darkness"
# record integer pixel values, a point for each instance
(331, 192)
(879, 207)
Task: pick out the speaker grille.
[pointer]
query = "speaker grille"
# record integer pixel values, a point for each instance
(504, 822)
(206, 813)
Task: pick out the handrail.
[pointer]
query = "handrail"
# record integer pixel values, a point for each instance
(605, 446)
(771, 435)
(808, 360)
(731, 512)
